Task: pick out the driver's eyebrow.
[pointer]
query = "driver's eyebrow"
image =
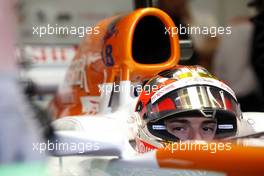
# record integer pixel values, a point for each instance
(178, 121)
(209, 121)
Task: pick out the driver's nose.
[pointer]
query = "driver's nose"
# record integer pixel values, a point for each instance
(195, 135)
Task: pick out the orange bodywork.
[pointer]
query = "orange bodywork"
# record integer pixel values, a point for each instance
(93, 66)
(238, 161)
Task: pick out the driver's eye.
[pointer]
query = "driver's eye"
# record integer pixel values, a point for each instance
(208, 129)
(178, 129)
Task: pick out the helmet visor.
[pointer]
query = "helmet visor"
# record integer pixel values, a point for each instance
(192, 98)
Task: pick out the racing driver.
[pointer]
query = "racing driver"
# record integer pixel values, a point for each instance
(185, 103)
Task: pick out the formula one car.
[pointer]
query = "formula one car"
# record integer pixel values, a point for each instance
(95, 107)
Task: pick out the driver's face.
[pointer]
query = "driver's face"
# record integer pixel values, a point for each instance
(193, 128)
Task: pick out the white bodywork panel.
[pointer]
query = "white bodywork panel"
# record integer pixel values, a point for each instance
(130, 163)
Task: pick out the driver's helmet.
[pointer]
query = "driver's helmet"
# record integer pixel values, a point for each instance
(179, 92)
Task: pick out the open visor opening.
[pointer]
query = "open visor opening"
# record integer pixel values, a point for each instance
(194, 101)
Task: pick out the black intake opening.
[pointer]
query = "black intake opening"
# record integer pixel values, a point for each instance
(150, 43)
